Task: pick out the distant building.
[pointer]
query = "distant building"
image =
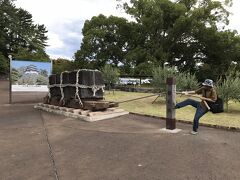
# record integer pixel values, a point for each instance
(129, 81)
(31, 69)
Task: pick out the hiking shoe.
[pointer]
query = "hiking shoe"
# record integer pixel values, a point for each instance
(194, 132)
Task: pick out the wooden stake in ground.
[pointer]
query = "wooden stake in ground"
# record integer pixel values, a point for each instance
(170, 104)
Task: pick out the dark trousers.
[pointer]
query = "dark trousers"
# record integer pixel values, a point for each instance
(199, 112)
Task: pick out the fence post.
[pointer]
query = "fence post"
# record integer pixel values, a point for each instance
(170, 104)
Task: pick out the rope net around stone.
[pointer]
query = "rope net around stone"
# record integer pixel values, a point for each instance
(61, 89)
(78, 86)
(77, 89)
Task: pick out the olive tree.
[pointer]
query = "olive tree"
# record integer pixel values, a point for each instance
(184, 81)
(110, 75)
(229, 89)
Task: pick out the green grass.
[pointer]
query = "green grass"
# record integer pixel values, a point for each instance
(145, 106)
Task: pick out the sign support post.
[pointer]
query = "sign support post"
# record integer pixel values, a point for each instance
(10, 79)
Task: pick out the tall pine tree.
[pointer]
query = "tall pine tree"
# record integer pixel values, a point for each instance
(18, 31)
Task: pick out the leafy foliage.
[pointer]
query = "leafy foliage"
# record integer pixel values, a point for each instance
(38, 55)
(160, 76)
(19, 35)
(110, 75)
(104, 41)
(182, 33)
(184, 81)
(229, 88)
(3, 64)
(61, 65)
(42, 80)
(15, 75)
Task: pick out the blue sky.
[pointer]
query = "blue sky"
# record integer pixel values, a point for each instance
(65, 19)
(40, 65)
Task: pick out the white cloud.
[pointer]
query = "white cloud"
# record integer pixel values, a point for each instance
(235, 16)
(57, 15)
(53, 11)
(54, 41)
(73, 34)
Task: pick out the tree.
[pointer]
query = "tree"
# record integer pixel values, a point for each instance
(43, 72)
(105, 41)
(61, 65)
(182, 33)
(220, 50)
(15, 75)
(160, 76)
(144, 69)
(3, 64)
(184, 81)
(18, 31)
(229, 87)
(173, 30)
(36, 55)
(42, 80)
(110, 75)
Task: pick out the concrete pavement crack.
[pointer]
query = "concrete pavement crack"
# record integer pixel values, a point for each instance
(49, 148)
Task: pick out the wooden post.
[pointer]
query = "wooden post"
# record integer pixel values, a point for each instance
(170, 104)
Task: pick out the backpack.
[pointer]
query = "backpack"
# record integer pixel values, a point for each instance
(217, 106)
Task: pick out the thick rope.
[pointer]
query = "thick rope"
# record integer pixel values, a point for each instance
(61, 88)
(49, 93)
(77, 89)
(94, 88)
(74, 85)
(129, 100)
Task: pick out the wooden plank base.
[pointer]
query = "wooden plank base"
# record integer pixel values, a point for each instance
(86, 115)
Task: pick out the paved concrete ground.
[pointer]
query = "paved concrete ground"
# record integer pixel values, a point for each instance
(40, 145)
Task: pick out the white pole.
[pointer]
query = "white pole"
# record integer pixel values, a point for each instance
(10, 79)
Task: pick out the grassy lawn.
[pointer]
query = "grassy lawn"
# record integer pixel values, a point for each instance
(145, 106)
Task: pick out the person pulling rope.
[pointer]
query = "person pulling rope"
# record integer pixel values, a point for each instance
(208, 94)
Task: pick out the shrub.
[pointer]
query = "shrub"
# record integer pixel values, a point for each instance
(184, 81)
(229, 89)
(159, 77)
(110, 75)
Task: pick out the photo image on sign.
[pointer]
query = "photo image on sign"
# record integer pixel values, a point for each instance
(30, 74)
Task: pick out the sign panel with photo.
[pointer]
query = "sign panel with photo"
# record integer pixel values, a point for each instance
(30, 75)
